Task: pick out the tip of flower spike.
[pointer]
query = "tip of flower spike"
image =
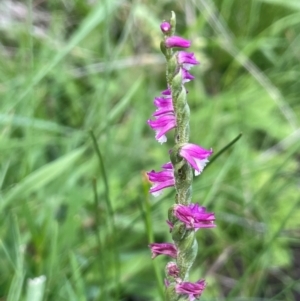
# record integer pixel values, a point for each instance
(165, 27)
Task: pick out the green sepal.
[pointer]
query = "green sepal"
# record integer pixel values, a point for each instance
(183, 176)
(171, 295)
(176, 84)
(187, 252)
(163, 48)
(178, 231)
(183, 117)
(174, 155)
(172, 218)
(173, 23)
(171, 68)
(181, 106)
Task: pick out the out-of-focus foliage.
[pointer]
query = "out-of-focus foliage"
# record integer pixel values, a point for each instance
(70, 66)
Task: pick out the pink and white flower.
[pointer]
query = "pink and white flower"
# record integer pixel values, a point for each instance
(176, 41)
(193, 290)
(164, 105)
(186, 59)
(186, 76)
(196, 156)
(161, 125)
(163, 249)
(194, 216)
(161, 179)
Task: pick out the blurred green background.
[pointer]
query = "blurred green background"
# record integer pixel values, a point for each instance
(67, 67)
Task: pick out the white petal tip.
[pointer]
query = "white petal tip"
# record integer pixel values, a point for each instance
(156, 193)
(162, 139)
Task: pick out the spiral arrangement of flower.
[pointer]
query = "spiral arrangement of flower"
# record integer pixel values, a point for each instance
(184, 217)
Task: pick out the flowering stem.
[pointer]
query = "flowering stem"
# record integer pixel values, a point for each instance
(184, 239)
(184, 217)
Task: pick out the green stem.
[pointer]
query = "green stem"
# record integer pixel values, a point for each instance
(100, 245)
(184, 239)
(110, 213)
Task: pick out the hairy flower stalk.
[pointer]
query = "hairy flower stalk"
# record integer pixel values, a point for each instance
(184, 217)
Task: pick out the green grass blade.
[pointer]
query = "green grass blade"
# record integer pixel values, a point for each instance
(96, 16)
(41, 177)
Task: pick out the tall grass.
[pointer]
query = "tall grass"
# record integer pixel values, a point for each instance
(83, 220)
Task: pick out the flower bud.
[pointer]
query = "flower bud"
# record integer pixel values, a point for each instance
(165, 27)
